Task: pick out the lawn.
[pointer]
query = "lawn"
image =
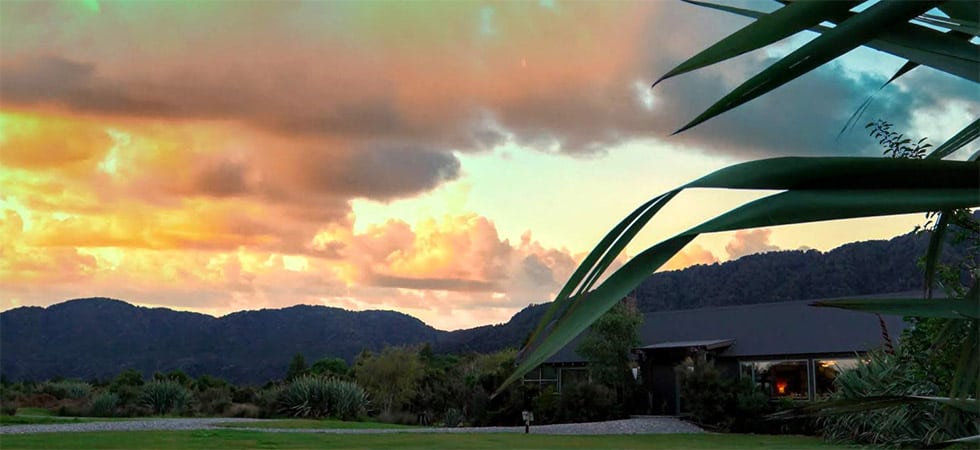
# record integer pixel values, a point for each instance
(31, 420)
(314, 424)
(235, 439)
(43, 420)
(34, 412)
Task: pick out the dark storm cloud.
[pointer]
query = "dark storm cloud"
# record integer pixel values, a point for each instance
(74, 84)
(377, 172)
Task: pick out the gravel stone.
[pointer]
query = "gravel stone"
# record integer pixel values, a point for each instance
(636, 425)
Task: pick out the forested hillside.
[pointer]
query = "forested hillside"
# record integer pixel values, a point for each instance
(100, 337)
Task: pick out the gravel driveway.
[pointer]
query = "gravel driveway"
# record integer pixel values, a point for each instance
(644, 425)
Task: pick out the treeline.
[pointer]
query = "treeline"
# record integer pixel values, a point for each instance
(403, 385)
(860, 268)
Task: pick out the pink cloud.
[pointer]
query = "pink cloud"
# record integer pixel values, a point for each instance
(747, 242)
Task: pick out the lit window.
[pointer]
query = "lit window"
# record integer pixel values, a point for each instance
(827, 371)
(781, 379)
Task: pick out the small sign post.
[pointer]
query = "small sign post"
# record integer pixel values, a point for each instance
(528, 417)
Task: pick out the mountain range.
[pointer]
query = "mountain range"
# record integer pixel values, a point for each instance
(99, 337)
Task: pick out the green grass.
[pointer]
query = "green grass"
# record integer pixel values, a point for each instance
(34, 412)
(234, 439)
(314, 424)
(39, 420)
(32, 420)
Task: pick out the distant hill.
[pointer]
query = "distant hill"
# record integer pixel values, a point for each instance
(861, 268)
(98, 337)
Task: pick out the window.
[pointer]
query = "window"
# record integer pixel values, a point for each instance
(782, 379)
(543, 376)
(826, 371)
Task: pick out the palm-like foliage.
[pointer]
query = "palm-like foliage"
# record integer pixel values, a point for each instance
(815, 189)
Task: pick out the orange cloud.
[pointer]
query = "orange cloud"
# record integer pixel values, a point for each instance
(51, 142)
(454, 253)
(452, 272)
(747, 242)
(692, 254)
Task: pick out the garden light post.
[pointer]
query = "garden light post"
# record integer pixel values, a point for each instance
(528, 418)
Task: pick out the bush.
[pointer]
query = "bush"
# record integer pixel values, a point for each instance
(748, 408)
(212, 401)
(587, 402)
(67, 389)
(316, 397)
(915, 424)
(71, 408)
(248, 410)
(267, 399)
(8, 407)
(243, 394)
(165, 396)
(705, 393)
(453, 418)
(104, 405)
(546, 406)
(205, 382)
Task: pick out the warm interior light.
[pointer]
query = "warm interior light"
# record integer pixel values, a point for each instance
(781, 386)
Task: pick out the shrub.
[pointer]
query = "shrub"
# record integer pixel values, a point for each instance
(205, 382)
(315, 397)
(129, 397)
(587, 402)
(350, 400)
(243, 394)
(453, 418)
(129, 377)
(104, 405)
(67, 389)
(9, 394)
(71, 408)
(391, 377)
(915, 424)
(8, 407)
(705, 393)
(165, 396)
(546, 406)
(749, 406)
(267, 399)
(243, 410)
(331, 367)
(212, 401)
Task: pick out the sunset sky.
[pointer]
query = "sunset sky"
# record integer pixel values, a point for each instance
(449, 160)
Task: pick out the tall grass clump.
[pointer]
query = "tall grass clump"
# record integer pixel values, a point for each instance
(165, 396)
(316, 397)
(105, 404)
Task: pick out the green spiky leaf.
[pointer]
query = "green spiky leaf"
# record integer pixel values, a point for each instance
(852, 405)
(818, 189)
(849, 34)
(769, 28)
(960, 139)
(917, 307)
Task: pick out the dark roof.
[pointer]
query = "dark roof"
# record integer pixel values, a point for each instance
(710, 344)
(765, 329)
